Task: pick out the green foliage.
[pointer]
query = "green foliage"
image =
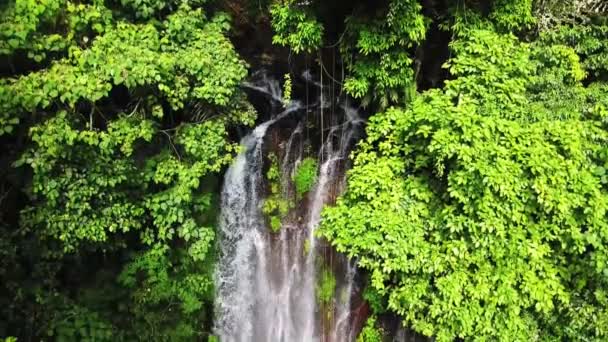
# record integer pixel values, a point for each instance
(75, 323)
(287, 88)
(121, 111)
(162, 294)
(88, 182)
(91, 175)
(325, 287)
(370, 332)
(376, 46)
(78, 171)
(305, 176)
(179, 61)
(172, 280)
(513, 14)
(22, 21)
(377, 302)
(275, 205)
(145, 8)
(480, 211)
(295, 27)
(589, 42)
(377, 53)
(482, 71)
(27, 28)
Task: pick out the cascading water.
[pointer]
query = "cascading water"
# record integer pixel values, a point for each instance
(266, 282)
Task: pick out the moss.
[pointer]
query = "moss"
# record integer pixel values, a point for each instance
(326, 286)
(305, 176)
(273, 175)
(275, 223)
(306, 247)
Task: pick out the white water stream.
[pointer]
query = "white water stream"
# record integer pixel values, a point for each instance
(266, 281)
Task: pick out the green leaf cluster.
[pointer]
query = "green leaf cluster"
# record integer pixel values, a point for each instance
(512, 15)
(275, 206)
(160, 277)
(75, 323)
(305, 176)
(295, 27)
(377, 52)
(22, 20)
(479, 210)
(371, 333)
(118, 114)
(589, 42)
(287, 89)
(176, 61)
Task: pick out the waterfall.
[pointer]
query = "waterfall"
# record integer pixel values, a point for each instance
(266, 281)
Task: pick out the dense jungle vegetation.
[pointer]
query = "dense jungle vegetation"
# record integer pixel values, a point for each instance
(477, 204)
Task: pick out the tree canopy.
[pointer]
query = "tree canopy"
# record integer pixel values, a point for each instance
(479, 208)
(126, 108)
